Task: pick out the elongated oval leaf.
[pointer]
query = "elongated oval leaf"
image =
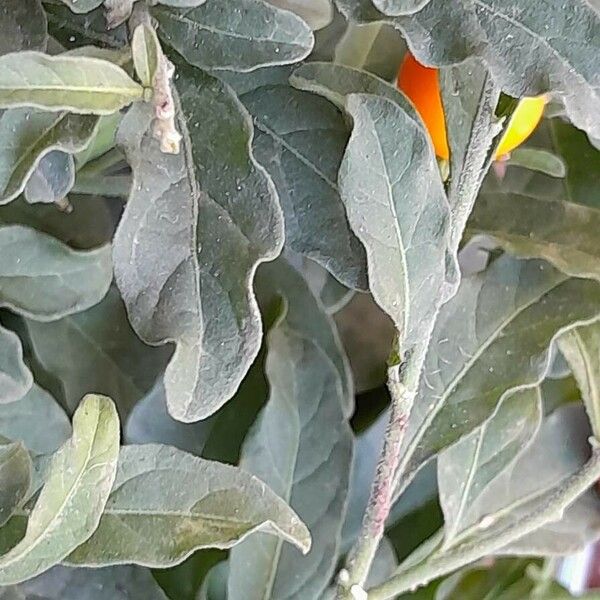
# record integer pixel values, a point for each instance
(23, 25)
(190, 240)
(399, 7)
(165, 504)
(82, 6)
(558, 451)
(27, 135)
(317, 13)
(79, 84)
(529, 48)
(514, 308)
(69, 506)
(43, 279)
(466, 469)
(565, 236)
(239, 35)
(305, 174)
(302, 447)
(15, 377)
(581, 348)
(100, 352)
(111, 583)
(36, 420)
(390, 184)
(305, 316)
(15, 478)
(145, 50)
(52, 179)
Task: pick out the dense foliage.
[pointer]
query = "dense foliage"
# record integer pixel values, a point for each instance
(256, 340)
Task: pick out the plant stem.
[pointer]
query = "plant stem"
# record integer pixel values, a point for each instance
(402, 384)
(444, 563)
(463, 191)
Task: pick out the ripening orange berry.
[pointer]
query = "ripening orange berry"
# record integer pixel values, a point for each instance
(421, 85)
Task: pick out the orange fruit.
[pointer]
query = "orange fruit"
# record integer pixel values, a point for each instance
(421, 85)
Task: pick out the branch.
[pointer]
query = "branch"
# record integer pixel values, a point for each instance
(443, 563)
(402, 384)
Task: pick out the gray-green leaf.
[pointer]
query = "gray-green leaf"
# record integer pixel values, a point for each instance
(538, 159)
(466, 469)
(581, 348)
(302, 447)
(36, 420)
(530, 49)
(26, 135)
(396, 8)
(145, 50)
(99, 352)
(563, 233)
(15, 377)
(389, 181)
(43, 279)
(514, 308)
(111, 583)
(15, 478)
(70, 504)
(239, 35)
(190, 240)
(305, 174)
(165, 504)
(52, 179)
(23, 25)
(82, 6)
(78, 84)
(317, 13)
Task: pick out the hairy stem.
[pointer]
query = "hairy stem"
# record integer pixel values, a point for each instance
(402, 384)
(443, 563)
(463, 191)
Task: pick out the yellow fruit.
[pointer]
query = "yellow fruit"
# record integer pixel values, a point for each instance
(421, 85)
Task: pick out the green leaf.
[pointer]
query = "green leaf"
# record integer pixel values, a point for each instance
(23, 25)
(336, 82)
(581, 348)
(464, 90)
(305, 174)
(52, 179)
(88, 225)
(396, 8)
(64, 583)
(43, 279)
(238, 35)
(334, 296)
(165, 504)
(513, 309)
(82, 6)
(15, 478)
(558, 451)
(72, 29)
(538, 159)
(145, 50)
(216, 216)
(305, 316)
(102, 141)
(15, 378)
(396, 203)
(27, 135)
(78, 84)
(529, 49)
(565, 235)
(317, 13)
(77, 486)
(467, 468)
(36, 420)
(301, 446)
(100, 352)
(374, 47)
